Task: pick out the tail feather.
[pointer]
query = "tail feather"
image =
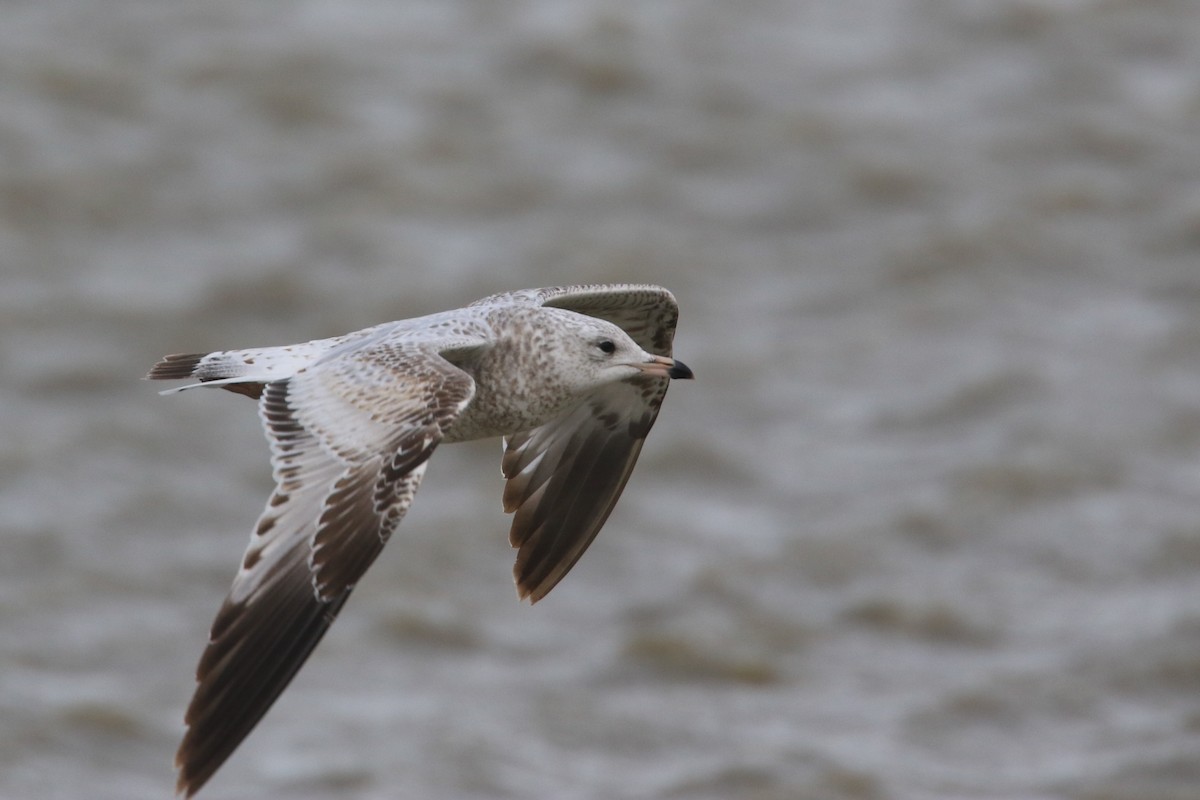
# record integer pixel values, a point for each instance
(247, 371)
(221, 365)
(241, 371)
(180, 365)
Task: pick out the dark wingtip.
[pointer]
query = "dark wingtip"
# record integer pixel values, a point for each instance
(681, 371)
(192, 775)
(184, 788)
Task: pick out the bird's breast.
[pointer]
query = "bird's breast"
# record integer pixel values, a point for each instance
(506, 403)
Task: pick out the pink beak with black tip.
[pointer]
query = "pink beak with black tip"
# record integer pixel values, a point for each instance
(667, 367)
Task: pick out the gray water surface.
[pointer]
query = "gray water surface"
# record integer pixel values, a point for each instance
(926, 526)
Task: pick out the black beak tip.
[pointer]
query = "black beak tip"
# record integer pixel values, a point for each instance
(680, 371)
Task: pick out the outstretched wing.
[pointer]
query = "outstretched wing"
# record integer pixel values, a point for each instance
(349, 437)
(646, 312)
(565, 477)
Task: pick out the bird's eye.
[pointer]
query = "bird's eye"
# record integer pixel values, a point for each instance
(607, 346)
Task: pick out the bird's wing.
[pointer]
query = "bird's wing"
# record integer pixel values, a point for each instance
(565, 477)
(646, 312)
(349, 438)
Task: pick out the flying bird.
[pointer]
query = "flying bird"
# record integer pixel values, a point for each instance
(572, 378)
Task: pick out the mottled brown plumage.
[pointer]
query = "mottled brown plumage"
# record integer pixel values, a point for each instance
(572, 377)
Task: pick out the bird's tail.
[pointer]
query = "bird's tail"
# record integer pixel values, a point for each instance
(248, 371)
(241, 371)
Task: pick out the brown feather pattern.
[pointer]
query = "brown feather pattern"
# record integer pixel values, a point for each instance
(352, 422)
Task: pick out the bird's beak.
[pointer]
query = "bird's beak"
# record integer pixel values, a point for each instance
(666, 367)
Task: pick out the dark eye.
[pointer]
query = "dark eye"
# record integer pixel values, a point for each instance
(606, 346)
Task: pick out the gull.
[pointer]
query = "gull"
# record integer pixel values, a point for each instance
(571, 377)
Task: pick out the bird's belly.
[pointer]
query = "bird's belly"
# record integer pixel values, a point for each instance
(487, 417)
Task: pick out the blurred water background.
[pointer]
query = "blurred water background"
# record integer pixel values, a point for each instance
(926, 526)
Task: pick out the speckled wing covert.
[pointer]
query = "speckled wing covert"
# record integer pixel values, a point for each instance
(565, 477)
(350, 435)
